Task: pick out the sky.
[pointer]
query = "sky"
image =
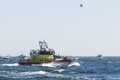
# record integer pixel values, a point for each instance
(67, 28)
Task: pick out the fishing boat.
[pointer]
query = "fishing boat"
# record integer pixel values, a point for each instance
(44, 56)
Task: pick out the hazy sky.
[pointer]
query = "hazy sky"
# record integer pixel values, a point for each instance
(67, 28)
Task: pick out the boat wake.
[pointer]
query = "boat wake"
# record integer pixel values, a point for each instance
(45, 65)
(74, 64)
(13, 64)
(48, 65)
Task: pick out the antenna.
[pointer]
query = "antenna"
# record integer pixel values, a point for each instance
(43, 45)
(40, 44)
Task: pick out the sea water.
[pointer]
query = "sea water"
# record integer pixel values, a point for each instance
(82, 68)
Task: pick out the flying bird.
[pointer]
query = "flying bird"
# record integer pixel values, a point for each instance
(81, 5)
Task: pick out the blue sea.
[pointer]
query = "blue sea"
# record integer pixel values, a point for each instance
(82, 68)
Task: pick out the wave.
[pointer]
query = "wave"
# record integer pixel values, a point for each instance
(74, 64)
(13, 64)
(60, 70)
(21, 75)
(34, 73)
(39, 74)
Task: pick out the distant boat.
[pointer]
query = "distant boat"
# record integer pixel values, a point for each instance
(99, 56)
(6, 57)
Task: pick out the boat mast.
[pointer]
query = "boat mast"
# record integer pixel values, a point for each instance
(43, 45)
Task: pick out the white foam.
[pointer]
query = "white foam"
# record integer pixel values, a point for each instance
(45, 65)
(74, 64)
(60, 70)
(48, 65)
(13, 64)
(109, 61)
(33, 73)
